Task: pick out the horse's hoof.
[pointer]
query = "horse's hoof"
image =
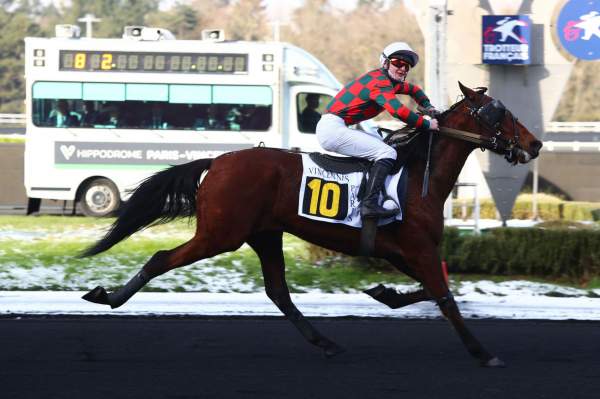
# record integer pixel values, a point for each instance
(493, 363)
(375, 291)
(333, 350)
(97, 295)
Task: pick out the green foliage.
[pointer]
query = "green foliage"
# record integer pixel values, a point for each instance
(550, 253)
(12, 139)
(40, 253)
(555, 250)
(15, 26)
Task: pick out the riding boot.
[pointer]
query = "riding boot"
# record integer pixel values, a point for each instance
(370, 207)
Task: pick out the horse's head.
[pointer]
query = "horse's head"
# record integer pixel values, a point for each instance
(488, 117)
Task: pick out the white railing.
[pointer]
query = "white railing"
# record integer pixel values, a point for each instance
(15, 119)
(571, 146)
(573, 127)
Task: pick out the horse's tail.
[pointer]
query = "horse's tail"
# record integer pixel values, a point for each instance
(160, 198)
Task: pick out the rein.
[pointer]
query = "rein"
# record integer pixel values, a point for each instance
(463, 135)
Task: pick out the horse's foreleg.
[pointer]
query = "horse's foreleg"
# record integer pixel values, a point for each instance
(268, 247)
(395, 299)
(449, 308)
(434, 282)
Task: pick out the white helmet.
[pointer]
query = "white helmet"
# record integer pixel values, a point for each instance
(399, 48)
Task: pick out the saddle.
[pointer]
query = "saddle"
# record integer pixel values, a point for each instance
(338, 164)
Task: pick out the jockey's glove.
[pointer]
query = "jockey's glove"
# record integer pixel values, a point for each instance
(432, 111)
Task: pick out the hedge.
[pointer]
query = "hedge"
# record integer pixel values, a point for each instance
(550, 253)
(574, 254)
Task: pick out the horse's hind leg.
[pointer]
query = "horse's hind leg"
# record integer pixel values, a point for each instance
(161, 262)
(393, 298)
(268, 247)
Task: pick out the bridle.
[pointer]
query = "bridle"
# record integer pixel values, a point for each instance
(489, 116)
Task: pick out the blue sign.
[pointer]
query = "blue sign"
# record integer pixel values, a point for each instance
(505, 39)
(578, 28)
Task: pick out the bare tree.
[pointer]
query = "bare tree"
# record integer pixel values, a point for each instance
(579, 101)
(317, 28)
(247, 20)
(241, 19)
(211, 14)
(350, 42)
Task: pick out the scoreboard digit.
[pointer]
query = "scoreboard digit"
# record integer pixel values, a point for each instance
(125, 61)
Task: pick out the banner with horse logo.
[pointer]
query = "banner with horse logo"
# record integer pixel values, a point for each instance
(333, 197)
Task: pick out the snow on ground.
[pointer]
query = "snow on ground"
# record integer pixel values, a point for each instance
(482, 299)
(86, 233)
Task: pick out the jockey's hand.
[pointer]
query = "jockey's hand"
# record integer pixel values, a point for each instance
(432, 111)
(433, 124)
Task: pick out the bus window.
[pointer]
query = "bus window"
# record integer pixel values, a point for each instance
(53, 109)
(61, 115)
(258, 118)
(152, 106)
(310, 108)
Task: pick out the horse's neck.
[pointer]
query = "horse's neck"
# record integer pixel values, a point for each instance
(448, 160)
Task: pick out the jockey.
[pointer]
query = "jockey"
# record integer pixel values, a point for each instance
(364, 98)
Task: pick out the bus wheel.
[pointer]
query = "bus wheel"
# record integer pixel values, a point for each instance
(100, 197)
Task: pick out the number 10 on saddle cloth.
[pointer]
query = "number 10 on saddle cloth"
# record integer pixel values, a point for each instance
(333, 197)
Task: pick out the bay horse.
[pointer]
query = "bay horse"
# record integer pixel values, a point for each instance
(251, 196)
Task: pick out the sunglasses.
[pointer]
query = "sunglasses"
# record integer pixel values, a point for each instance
(398, 63)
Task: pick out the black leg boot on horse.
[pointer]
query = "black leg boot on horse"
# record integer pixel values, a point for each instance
(120, 296)
(371, 211)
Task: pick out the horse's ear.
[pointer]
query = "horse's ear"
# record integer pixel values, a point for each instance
(470, 94)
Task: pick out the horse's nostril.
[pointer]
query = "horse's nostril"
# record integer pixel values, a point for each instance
(536, 146)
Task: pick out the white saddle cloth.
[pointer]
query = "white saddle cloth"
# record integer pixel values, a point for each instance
(333, 197)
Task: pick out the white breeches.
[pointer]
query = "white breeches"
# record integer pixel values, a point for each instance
(335, 136)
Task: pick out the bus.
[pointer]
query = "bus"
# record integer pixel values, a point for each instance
(103, 114)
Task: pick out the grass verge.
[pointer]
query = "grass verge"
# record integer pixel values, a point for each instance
(40, 253)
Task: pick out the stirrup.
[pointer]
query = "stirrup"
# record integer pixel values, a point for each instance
(379, 211)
